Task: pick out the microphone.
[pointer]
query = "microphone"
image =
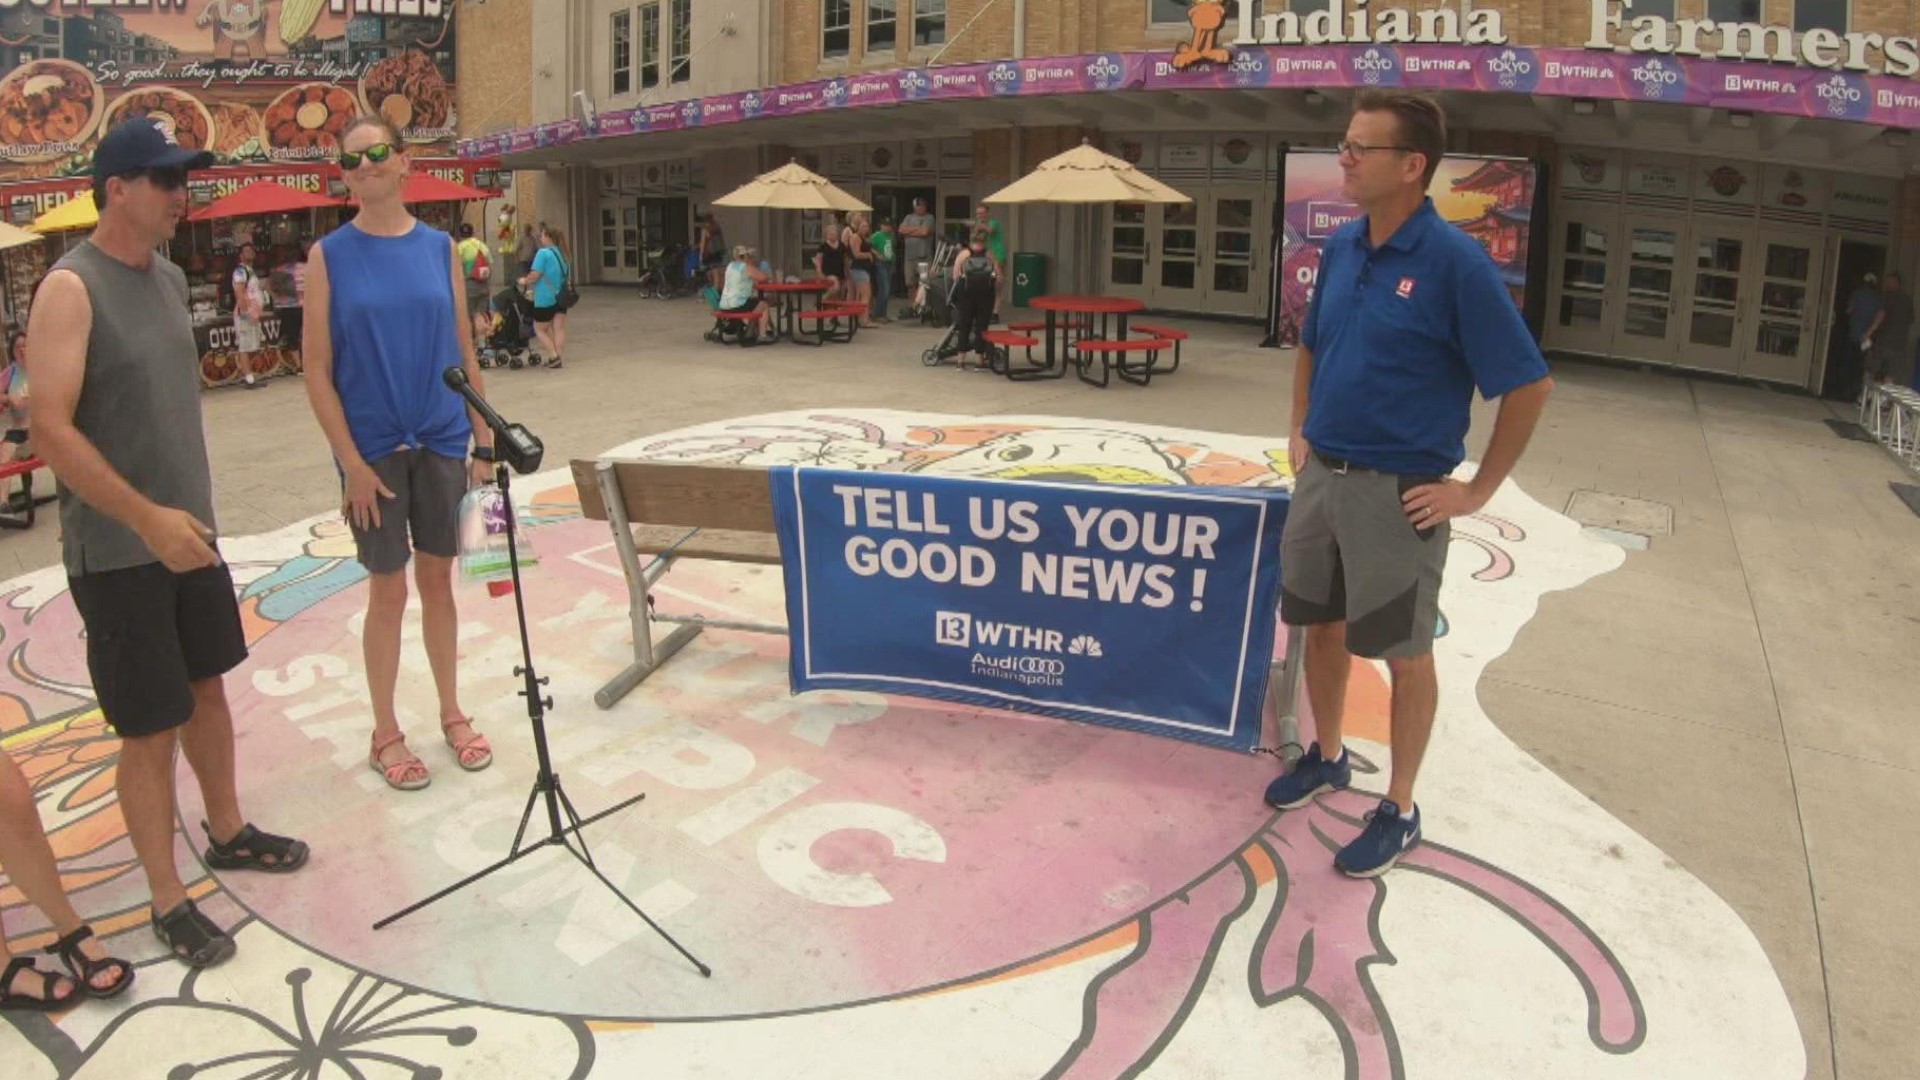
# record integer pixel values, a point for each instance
(512, 443)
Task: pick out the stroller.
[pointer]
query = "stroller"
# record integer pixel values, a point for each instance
(933, 299)
(511, 339)
(951, 346)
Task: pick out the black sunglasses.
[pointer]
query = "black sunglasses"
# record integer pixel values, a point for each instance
(165, 179)
(377, 153)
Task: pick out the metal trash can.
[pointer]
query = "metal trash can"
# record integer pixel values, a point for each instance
(1029, 277)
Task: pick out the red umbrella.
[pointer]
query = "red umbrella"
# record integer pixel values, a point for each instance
(262, 197)
(426, 187)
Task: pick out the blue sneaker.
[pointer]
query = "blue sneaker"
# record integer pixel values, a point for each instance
(1311, 775)
(1387, 837)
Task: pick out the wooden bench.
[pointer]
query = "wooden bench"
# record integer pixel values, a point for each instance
(725, 513)
(1165, 332)
(675, 512)
(1111, 356)
(28, 503)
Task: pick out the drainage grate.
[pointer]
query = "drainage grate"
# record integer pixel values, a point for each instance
(1909, 494)
(1847, 429)
(1620, 513)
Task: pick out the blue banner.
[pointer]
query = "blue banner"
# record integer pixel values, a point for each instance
(1151, 609)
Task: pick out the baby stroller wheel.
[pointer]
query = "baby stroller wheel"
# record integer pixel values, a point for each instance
(515, 363)
(931, 357)
(713, 335)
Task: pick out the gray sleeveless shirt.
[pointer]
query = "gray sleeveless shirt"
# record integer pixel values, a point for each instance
(139, 404)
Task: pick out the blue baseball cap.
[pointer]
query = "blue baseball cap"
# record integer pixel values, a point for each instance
(143, 142)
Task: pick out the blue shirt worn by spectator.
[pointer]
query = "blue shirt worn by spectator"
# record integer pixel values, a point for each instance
(390, 311)
(1862, 306)
(546, 291)
(1401, 335)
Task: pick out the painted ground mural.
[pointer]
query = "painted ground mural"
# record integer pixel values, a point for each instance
(884, 887)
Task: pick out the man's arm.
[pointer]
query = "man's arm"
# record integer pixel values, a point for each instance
(58, 332)
(1513, 428)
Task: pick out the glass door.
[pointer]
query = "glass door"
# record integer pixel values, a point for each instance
(619, 241)
(1128, 254)
(1649, 327)
(1235, 281)
(1580, 311)
(1176, 277)
(1783, 338)
(1716, 265)
(630, 241)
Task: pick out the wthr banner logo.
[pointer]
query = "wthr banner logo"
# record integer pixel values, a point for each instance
(1145, 608)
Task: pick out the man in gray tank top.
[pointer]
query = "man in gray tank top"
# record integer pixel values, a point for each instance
(117, 417)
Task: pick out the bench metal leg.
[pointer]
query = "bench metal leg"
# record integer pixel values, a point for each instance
(1283, 694)
(636, 673)
(647, 656)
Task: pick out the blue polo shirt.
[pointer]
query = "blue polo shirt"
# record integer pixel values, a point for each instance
(1401, 336)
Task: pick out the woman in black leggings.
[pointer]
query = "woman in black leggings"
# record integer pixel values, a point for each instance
(976, 278)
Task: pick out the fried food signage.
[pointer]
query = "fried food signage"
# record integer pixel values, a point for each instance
(250, 80)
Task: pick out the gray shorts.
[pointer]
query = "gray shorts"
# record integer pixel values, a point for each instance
(1350, 554)
(427, 489)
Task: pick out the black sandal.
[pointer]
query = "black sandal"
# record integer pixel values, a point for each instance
(251, 849)
(49, 982)
(192, 937)
(84, 968)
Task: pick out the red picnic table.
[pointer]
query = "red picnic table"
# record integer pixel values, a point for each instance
(1083, 309)
(813, 287)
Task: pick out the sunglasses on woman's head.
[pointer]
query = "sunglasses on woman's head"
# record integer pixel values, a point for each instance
(377, 153)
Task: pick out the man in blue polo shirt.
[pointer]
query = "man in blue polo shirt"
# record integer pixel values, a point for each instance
(1408, 318)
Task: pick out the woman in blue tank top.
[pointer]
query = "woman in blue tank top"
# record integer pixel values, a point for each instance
(384, 322)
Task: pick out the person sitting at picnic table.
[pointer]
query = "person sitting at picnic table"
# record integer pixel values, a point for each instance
(976, 276)
(739, 289)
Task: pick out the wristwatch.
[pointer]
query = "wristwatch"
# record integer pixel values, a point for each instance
(483, 453)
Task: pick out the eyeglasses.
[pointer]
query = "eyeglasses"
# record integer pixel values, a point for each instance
(1358, 150)
(377, 153)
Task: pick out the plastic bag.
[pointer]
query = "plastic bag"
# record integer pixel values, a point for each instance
(484, 556)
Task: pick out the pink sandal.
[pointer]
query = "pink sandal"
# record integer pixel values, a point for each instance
(474, 754)
(407, 774)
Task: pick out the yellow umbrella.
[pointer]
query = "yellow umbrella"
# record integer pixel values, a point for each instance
(13, 236)
(790, 187)
(76, 213)
(1086, 175)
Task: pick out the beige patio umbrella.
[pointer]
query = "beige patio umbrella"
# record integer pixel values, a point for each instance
(790, 187)
(1086, 175)
(13, 236)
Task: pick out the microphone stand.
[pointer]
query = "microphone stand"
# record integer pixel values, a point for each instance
(518, 446)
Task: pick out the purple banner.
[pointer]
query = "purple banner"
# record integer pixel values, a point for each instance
(1756, 87)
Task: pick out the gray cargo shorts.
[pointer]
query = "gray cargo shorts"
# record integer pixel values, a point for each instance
(1349, 553)
(427, 489)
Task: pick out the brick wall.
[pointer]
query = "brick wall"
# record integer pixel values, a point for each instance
(493, 62)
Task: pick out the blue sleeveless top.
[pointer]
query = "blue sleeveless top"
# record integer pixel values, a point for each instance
(391, 313)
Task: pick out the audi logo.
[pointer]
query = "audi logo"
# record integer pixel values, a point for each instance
(1040, 665)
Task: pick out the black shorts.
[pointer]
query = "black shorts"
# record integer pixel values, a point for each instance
(152, 634)
(546, 314)
(427, 489)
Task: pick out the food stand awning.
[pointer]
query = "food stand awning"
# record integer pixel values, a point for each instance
(76, 213)
(12, 236)
(426, 187)
(262, 197)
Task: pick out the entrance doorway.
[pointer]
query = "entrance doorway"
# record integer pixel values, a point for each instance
(1844, 367)
(1199, 256)
(892, 204)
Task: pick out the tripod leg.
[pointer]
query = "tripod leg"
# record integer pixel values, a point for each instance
(525, 816)
(691, 959)
(514, 854)
(573, 829)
